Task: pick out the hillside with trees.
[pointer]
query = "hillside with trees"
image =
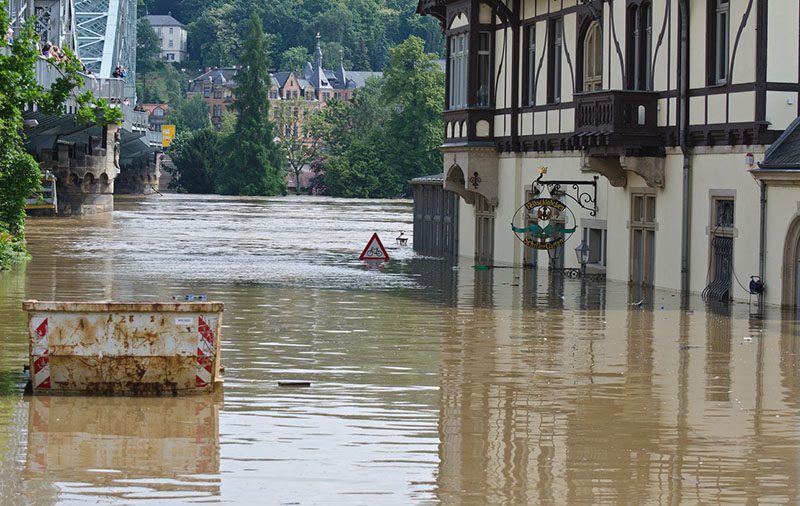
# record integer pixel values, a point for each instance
(360, 32)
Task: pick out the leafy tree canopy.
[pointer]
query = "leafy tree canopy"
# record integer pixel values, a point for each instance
(364, 29)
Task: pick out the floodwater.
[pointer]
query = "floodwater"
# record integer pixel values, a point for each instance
(431, 383)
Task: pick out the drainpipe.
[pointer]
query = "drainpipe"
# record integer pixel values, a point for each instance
(684, 127)
(762, 245)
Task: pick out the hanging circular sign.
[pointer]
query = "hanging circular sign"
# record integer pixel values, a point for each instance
(551, 223)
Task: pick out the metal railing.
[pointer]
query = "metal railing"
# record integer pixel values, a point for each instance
(112, 88)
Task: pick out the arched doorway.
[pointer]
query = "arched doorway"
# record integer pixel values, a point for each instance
(791, 265)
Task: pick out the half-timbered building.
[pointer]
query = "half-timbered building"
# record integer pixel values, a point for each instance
(670, 103)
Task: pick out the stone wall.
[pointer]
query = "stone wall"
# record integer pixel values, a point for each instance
(85, 172)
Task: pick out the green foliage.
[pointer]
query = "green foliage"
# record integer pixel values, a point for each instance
(391, 131)
(253, 165)
(97, 111)
(165, 85)
(191, 114)
(148, 47)
(295, 58)
(19, 172)
(363, 29)
(194, 155)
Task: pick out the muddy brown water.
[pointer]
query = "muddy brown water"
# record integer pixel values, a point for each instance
(429, 383)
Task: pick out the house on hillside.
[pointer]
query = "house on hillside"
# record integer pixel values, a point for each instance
(659, 138)
(156, 113)
(172, 34)
(215, 87)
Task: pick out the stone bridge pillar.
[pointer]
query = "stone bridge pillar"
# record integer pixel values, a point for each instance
(85, 172)
(140, 176)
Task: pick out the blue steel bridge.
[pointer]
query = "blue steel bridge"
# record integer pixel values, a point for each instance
(90, 163)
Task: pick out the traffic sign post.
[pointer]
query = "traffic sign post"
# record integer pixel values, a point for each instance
(167, 134)
(374, 250)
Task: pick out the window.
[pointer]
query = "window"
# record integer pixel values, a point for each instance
(206, 91)
(158, 113)
(556, 48)
(218, 94)
(640, 47)
(596, 240)
(592, 58)
(217, 111)
(643, 238)
(484, 230)
(171, 56)
(530, 65)
(457, 88)
(719, 34)
(170, 30)
(484, 69)
(719, 279)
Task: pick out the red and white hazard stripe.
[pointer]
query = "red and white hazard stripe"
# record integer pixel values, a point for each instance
(41, 355)
(205, 353)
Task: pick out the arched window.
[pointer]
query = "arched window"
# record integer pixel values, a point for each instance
(593, 58)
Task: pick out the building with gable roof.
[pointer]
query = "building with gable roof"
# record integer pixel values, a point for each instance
(172, 34)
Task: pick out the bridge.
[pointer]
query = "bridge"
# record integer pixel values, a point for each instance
(90, 162)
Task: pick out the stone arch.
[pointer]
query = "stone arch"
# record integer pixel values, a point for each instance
(104, 179)
(73, 179)
(791, 249)
(455, 181)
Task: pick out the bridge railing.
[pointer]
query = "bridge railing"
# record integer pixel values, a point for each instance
(110, 88)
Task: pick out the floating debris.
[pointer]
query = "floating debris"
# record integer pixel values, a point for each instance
(294, 383)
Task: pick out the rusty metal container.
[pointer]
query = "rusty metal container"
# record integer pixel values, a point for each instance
(124, 348)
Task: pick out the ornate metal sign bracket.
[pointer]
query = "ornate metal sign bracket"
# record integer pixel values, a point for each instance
(586, 198)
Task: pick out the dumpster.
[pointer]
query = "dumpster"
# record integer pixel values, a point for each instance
(124, 348)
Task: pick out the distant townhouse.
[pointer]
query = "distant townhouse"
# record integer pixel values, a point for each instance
(215, 87)
(315, 86)
(156, 113)
(172, 34)
(660, 112)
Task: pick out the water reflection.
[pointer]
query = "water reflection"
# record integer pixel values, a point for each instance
(582, 399)
(122, 448)
(431, 382)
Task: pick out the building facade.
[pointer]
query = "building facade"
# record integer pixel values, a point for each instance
(668, 103)
(172, 34)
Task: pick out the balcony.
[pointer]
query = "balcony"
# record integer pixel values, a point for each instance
(469, 126)
(618, 122)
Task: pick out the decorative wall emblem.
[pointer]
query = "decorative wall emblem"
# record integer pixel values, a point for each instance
(546, 222)
(475, 180)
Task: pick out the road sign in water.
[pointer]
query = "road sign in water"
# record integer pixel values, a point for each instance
(374, 250)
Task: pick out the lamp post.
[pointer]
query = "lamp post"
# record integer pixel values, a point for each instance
(582, 252)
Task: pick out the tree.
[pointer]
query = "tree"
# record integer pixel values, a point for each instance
(195, 155)
(148, 47)
(391, 131)
(414, 82)
(19, 171)
(253, 165)
(191, 114)
(295, 59)
(298, 134)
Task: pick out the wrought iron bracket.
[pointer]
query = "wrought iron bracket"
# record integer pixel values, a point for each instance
(585, 198)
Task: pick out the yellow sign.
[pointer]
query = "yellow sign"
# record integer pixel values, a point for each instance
(167, 134)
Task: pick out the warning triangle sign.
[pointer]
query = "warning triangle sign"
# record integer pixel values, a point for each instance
(374, 250)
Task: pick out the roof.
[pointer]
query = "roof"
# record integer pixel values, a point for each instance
(149, 108)
(785, 152)
(282, 77)
(436, 179)
(161, 20)
(219, 77)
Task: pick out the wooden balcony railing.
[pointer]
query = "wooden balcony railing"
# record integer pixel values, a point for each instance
(617, 118)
